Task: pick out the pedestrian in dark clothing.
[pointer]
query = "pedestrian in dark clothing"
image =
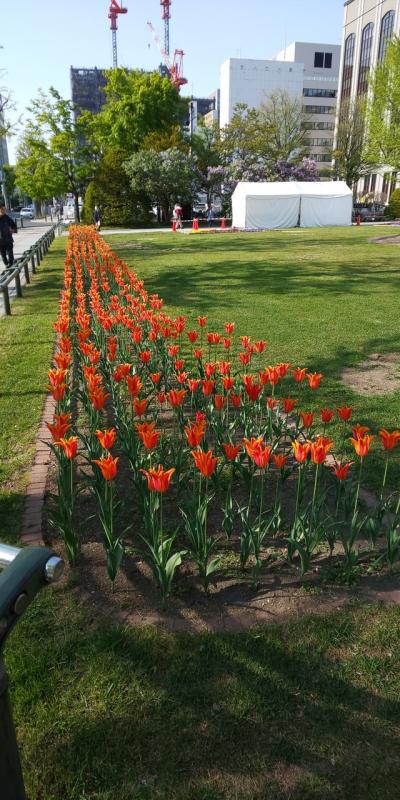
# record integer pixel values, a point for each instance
(97, 218)
(7, 228)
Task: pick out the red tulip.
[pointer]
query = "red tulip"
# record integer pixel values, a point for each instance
(326, 415)
(341, 470)
(231, 451)
(344, 412)
(158, 479)
(69, 446)
(106, 438)
(108, 466)
(389, 440)
(205, 462)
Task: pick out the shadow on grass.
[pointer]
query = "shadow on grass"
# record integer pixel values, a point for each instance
(269, 714)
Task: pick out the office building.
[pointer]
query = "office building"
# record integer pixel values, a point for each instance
(307, 71)
(368, 26)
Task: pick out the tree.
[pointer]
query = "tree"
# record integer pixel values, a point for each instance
(111, 190)
(162, 178)
(382, 146)
(350, 162)
(137, 104)
(283, 119)
(393, 208)
(38, 173)
(305, 170)
(58, 143)
(206, 155)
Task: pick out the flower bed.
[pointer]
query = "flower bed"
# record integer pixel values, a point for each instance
(219, 448)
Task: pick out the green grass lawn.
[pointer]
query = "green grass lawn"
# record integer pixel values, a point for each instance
(303, 711)
(324, 299)
(26, 344)
(307, 710)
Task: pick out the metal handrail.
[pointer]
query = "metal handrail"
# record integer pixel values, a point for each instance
(34, 255)
(53, 568)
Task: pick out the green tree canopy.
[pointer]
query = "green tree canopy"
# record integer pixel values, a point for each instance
(137, 105)
(382, 146)
(163, 178)
(55, 150)
(349, 156)
(111, 190)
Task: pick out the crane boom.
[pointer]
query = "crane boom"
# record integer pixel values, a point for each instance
(113, 11)
(166, 16)
(174, 65)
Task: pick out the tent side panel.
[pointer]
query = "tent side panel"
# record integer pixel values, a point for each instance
(320, 212)
(272, 212)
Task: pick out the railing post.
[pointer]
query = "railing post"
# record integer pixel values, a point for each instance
(12, 782)
(26, 271)
(33, 265)
(18, 286)
(6, 298)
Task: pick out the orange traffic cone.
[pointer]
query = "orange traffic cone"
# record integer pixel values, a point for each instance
(174, 224)
(223, 221)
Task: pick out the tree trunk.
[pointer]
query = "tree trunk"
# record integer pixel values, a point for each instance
(76, 204)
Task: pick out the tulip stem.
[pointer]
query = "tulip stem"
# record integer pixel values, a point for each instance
(314, 496)
(358, 486)
(384, 476)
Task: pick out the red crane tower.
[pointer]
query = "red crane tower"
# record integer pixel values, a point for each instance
(174, 65)
(115, 9)
(166, 16)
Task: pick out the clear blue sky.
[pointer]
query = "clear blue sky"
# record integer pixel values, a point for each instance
(41, 39)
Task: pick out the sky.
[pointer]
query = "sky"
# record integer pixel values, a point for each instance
(41, 39)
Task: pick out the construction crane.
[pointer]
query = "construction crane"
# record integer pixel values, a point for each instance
(174, 65)
(113, 11)
(166, 16)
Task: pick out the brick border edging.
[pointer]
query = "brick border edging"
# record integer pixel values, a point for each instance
(31, 529)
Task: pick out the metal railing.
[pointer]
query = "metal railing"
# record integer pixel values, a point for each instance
(24, 573)
(28, 263)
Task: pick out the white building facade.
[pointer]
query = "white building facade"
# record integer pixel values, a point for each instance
(307, 71)
(368, 26)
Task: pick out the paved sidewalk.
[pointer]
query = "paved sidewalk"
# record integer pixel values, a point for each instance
(23, 240)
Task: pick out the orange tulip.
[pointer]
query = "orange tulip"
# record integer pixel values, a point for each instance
(106, 438)
(145, 356)
(140, 406)
(108, 466)
(213, 338)
(307, 418)
(272, 402)
(300, 450)
(192, 336)
(253, 391)
(362, 444)
(202, 321)
(389, 440)
(345, 412)
(231, 451)
(319, 451)
(193, 384)
(194, 433)
(60, 426)
(288, 404)
(326, 415)
(299, 374)
(134, 385)
(256, 450)
(176, 397)
(228, 383)
(279, 460)
(219, 402)
(148, 434)
(359, 431)
(235, 400)
(229, 327)
(98, 398)
(155, 377)
(207, 387)
(70, 446)
(341, 470)
(209, 369)
(58, 391)
(56, 376)
(259, 346)
(314, 379)
(205, 462)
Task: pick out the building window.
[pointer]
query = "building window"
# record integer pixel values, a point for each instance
(319, 109)
(365, 58)
(328, 61)
(319, 126)
(322, 158)
(373, 183)
(319, 92)
(386, 34)
(318, 59)
(367, 179)
(348, 65)
(319, 142)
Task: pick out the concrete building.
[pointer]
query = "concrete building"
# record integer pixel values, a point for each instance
(368, 26)
(87, 88)
(308, 71)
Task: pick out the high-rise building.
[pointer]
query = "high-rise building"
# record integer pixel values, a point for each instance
(368, 26)
(307, 71)
(87, 87)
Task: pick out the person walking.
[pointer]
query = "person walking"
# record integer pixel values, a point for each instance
(7, 228)
(97, 218)
(178, 214)
(210, 215)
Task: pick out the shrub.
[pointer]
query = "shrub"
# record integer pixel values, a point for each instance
(393, 208)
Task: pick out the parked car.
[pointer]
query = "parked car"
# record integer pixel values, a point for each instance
(27, 213)
(371, 212)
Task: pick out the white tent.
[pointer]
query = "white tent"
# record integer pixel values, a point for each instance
(265, 205)
(325, 203)
(285, 205)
